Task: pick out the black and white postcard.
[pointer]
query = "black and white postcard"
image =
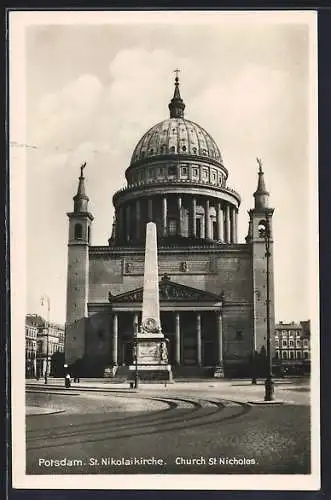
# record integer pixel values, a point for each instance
(164, 250)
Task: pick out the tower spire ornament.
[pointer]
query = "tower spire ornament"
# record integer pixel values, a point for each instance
(82, 168)
(261, 194)
(259, 161)
(81, 199)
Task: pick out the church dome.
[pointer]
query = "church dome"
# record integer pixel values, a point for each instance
(176, 136)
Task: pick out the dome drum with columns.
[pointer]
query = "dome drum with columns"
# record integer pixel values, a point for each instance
(177, 179)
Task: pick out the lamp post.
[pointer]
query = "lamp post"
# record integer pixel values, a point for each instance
(269, 385)
(136, 378)
(44, 299)
(254, 381)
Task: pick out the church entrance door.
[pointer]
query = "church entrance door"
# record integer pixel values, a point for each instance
(208, 354)
(127, 352)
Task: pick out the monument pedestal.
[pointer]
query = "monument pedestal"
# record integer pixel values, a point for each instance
(152, 363)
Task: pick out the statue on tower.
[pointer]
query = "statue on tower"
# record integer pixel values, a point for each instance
(82, 168)
(259, 161)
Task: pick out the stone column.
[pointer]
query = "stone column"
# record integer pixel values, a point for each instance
(179, 205)
(150, 209)
(177, 329)
(164, 215)
(199, 339)
(233, 225)
(138, 217)
(127, 223)
(227, 223)
(193, 217)
(220, 229)
(115, 339)
(135, 322)
(207, 219)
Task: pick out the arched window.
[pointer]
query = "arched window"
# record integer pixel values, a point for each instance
(78, 232)
(262, 228)
(88, 234)
(284, 355)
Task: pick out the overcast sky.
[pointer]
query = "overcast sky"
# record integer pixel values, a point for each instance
(92, 90)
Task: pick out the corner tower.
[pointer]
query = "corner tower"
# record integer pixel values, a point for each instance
(80, 221)
(260, 228)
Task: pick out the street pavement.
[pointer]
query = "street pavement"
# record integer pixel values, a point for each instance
(200, 427)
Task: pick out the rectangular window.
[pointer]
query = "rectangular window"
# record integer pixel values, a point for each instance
(291, 343)
(184, 171)
(298, 343)
(172, 170)
(172, 228)
(284, 343)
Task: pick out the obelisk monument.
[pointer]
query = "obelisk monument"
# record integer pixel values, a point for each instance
(151, 352)
(150, 323)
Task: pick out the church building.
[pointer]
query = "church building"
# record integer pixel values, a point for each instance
(213, 289)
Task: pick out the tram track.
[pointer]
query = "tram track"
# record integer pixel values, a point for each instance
(173, 418)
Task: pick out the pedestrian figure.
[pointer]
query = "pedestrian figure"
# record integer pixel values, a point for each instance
(67, 380)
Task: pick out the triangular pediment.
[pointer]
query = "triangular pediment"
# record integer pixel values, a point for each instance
(169, 291)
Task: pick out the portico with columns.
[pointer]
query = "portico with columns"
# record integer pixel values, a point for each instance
(191, 320)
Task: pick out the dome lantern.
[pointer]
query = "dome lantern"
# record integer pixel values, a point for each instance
(176, 105)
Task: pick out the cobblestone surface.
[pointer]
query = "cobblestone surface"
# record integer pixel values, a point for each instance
(211, 424)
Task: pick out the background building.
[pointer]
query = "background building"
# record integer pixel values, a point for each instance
(292, 346)
(31, 332)
(43, 334)
(212, 288)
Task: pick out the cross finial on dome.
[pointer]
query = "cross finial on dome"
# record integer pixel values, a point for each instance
(177, 105)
